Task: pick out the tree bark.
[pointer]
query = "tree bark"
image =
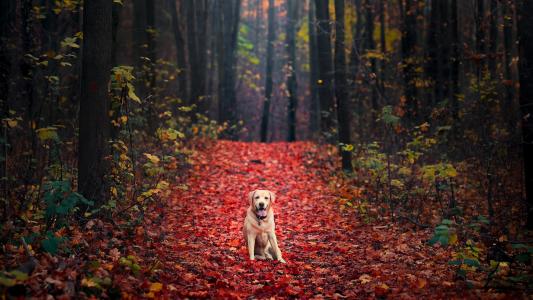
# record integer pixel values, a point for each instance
(341, 85)
(507, 14)
(93, 117)
(268, 73)
(180, 50)
(455, 61)
(196, 41)
(525, 37)
(408, 53)
(371, 45)
(325, 71)
(314, 109)
(292, 84)
(229, 27)
(493, 42)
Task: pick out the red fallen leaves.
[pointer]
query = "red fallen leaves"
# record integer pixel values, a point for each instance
(330, 252)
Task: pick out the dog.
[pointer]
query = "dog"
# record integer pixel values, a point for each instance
(259, 227)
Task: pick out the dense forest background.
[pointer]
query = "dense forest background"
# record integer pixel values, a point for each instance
(422, 107)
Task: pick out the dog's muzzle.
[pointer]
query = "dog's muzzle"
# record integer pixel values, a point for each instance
(261, 214)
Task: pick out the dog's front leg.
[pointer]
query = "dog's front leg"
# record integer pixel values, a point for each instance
(274, 242)
(250, 237)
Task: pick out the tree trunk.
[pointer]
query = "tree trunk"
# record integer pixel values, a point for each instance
(314, 109)
(227, 63)
(525, 37)
(180, 50)
(480, 36)
(292, 19)
(408, 53)
(7, 12)
(341, 93)
(269, 66)
(370, 45)
(93, 118)
(433, 67)
(196, 42)
(355, 61)
(493, 42)
(325, 71)
(383, 42)
(455, 60)
(139, 43)
(507, 15)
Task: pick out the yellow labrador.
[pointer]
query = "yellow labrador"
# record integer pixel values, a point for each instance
(259, 227)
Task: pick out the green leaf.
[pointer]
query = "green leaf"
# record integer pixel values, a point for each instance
(388, 117)
(471, 262)
(455, 263)
(447, 222)
(51, 244)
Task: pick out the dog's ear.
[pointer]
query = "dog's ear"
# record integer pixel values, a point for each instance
(251, 197)
(272, 197)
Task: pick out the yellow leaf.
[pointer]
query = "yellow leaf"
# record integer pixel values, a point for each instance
(131, 93)
(156, 287)
(154, 159)
(365, 278)
(12, 123)
(452, 240)
(88, 282)
(47, 133)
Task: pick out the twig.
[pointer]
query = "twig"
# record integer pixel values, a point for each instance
(414, 221)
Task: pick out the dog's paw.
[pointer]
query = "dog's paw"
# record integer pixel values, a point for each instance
(260, 257)
(281, 260)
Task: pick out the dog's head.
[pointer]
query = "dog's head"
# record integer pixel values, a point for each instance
(261, 201)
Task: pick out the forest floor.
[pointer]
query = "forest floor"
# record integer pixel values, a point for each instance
(329, 251)
(190, 245)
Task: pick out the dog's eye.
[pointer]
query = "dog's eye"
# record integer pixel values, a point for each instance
(257, 197)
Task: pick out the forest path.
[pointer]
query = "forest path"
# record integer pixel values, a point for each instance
(329, 252)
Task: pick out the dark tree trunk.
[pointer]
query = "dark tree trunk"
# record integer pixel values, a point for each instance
(455, 61)
(93, 117)
(355, 60)
(116, 21)
(7, 13)
(229, 26)
(433, 67)
(493, 42)
(292, 15)
(408, 53)
(341, 93)
(480, 36)
(507, 14)
(180, 50)
(370, 45)
(314, 109)
(139, 44)
(150, 32)
(444, 53)
(525, 37)
(196, 41)
(269, 66)
(382, 13)
(325, 70)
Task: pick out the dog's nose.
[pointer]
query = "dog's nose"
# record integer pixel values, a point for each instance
(261, 205)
